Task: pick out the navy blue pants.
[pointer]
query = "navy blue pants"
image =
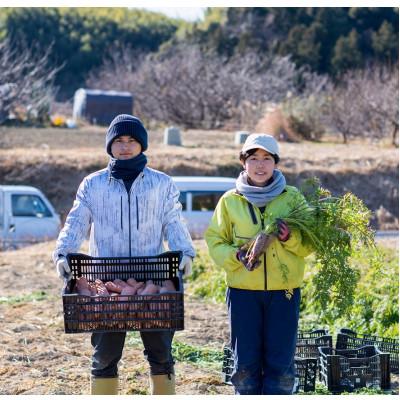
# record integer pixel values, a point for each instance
(108, 351)
(263, 340)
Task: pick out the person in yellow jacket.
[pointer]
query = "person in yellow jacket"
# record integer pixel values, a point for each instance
(263, 303)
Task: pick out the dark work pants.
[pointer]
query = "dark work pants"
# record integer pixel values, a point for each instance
(108, 351)
(263, 340)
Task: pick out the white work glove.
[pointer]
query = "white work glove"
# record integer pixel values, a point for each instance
(63, 269)
(186, 265)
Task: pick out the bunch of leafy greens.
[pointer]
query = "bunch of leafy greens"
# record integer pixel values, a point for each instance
(336, 228)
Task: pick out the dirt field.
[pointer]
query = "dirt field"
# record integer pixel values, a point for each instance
(36, 356)
(56, 160)
(39, 358)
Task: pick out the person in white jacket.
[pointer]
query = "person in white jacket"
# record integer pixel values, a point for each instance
(130, 210)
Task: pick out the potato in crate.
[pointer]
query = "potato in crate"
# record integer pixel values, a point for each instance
(349, 369)
(113, 294)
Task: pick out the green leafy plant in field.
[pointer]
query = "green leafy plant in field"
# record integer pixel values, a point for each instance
(207, 280)
(198, 355)
(365, 390)
(321, 389)
(375, 309)
(133, 339)
(26, 298)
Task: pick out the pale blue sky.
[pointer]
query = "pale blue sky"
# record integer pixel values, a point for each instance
(192, 13)
(188, 13)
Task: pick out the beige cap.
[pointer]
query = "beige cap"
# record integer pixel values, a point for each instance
(261, 141)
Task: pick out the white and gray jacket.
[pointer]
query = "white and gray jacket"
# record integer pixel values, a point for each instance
(125, 224)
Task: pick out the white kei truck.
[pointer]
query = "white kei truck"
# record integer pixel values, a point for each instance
(199, 196)
(26, 217)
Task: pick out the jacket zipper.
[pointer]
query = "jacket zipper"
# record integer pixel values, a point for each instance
(122, 227)
(129, 213)
(137, 213)
(265, 257)
(129, 219)
(255, 222)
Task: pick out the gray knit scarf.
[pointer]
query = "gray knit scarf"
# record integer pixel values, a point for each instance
(260, 196)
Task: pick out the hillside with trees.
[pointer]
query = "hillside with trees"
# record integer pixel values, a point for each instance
(327, 39)
(323, 70)
(80, 39)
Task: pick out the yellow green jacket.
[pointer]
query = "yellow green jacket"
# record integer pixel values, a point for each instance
(232, 225)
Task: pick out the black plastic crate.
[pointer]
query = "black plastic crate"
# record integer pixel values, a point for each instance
(305, 371)
(227, 365)
(347, 339)
(305, 358)
(309, 341)
(316, 333)
(349, 369)
(305, 375)
(124, 313)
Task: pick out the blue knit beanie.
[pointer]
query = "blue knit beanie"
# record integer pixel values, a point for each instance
(128, 125)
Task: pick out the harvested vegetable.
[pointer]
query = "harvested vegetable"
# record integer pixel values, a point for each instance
(257, 247)
(136, 285)
(113, 287)
(169, 285)
(119, 307)
(118, 286)
(336, 228)
(82, 286)
(128, 291)
(150, 288)
(101, 288)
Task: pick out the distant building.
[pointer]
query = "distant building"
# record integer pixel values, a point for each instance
(101, 106)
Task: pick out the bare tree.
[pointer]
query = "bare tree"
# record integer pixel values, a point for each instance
(187, 86)
(343, 113)
(26, 84)
(378, 88)
(366, 104)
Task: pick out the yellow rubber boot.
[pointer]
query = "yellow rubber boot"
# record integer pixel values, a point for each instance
(162, 384)
(103, 385)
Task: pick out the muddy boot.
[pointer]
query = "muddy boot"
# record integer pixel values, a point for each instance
(103, 385)
(162, 384)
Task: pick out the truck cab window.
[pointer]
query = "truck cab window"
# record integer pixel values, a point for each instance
(1, 210)
(26, 205)
(205, 201)
(182, 200)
